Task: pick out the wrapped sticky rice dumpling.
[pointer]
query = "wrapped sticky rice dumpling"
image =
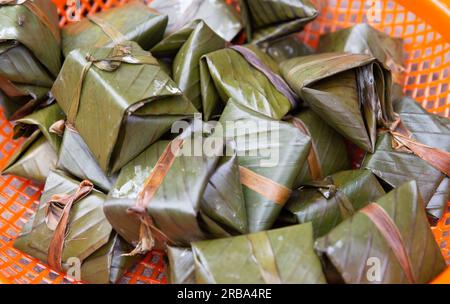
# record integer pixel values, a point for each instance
(185, 48)
(270, 19)
(286, 48)
(39, 153)
(329, 202)
(162, 197)
(284, 255)
(392, 235)
(30, 50)
(328, 153)
(248, 76)
(133, 21)
(220, 17)
(416, 147)
(364, 39)
(69, 212)
(181, 265)
(76, 159)
(119, 100)
(351, 92)
(271, 154)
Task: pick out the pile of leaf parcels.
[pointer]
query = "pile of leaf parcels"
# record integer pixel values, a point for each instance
(97, 100)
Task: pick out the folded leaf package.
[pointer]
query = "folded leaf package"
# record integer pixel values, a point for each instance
(364, 39)
(119, 100)
(30, 50)
(328, 153)
(277, 256)
(327, 203)
(70, 211)
(248, 76)
(185, 48)
(349, 91)
(416, 147)
(220, 17)
(133, 21)
(286, 48)
(181, 265)
(167, 196)
(393, 233)
(38, 154)
(271, 155)
(76, 158)
(271, 19)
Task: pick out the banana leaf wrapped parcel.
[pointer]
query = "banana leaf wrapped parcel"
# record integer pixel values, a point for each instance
(30, 49)
(271, 154)
(133, 21)
(284, 255)
(38, 154)
(181, 265)
(76, 158)
(364, 39)
(70, 226)
(220, 17)
(172, 195)
(392, 235)
(271, 19)
(416, 147)
(119, 100)
(328, 153)
(329, 202)
(286, 48)
(351, 92)
(247, 75)
(185, 48)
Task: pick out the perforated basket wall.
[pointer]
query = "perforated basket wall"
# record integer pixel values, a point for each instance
(427, 81)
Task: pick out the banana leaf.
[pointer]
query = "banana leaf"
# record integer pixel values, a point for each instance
(331, 201)
(396, 167)
(227, 74)
(389, 241)
(219, 16)
(181, 265)
(133, 21)
(364, 39)
(109, 263)
(186, 47)
(277, 256)
(274, 151)
(76, 159)
(328, 152)
(33, 27)
(134, 103)
(9, 106)
(38, 154)
(88, 230)
(351, 92)
(286, 48)
(271, 19)
(175, 207)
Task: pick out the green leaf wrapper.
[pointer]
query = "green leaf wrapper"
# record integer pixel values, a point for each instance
(283, 255)
(181, 265)
(351, 92)
(275, 150)
(328, 203)
(219, 16)
(364, 39)
(286, 48)
(397, 167)
(186, 47)
(270, 19)
(349, 246)
(141, 101)
(133, 21)
(38, 154)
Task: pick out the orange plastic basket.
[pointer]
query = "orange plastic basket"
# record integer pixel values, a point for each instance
(423, 24)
